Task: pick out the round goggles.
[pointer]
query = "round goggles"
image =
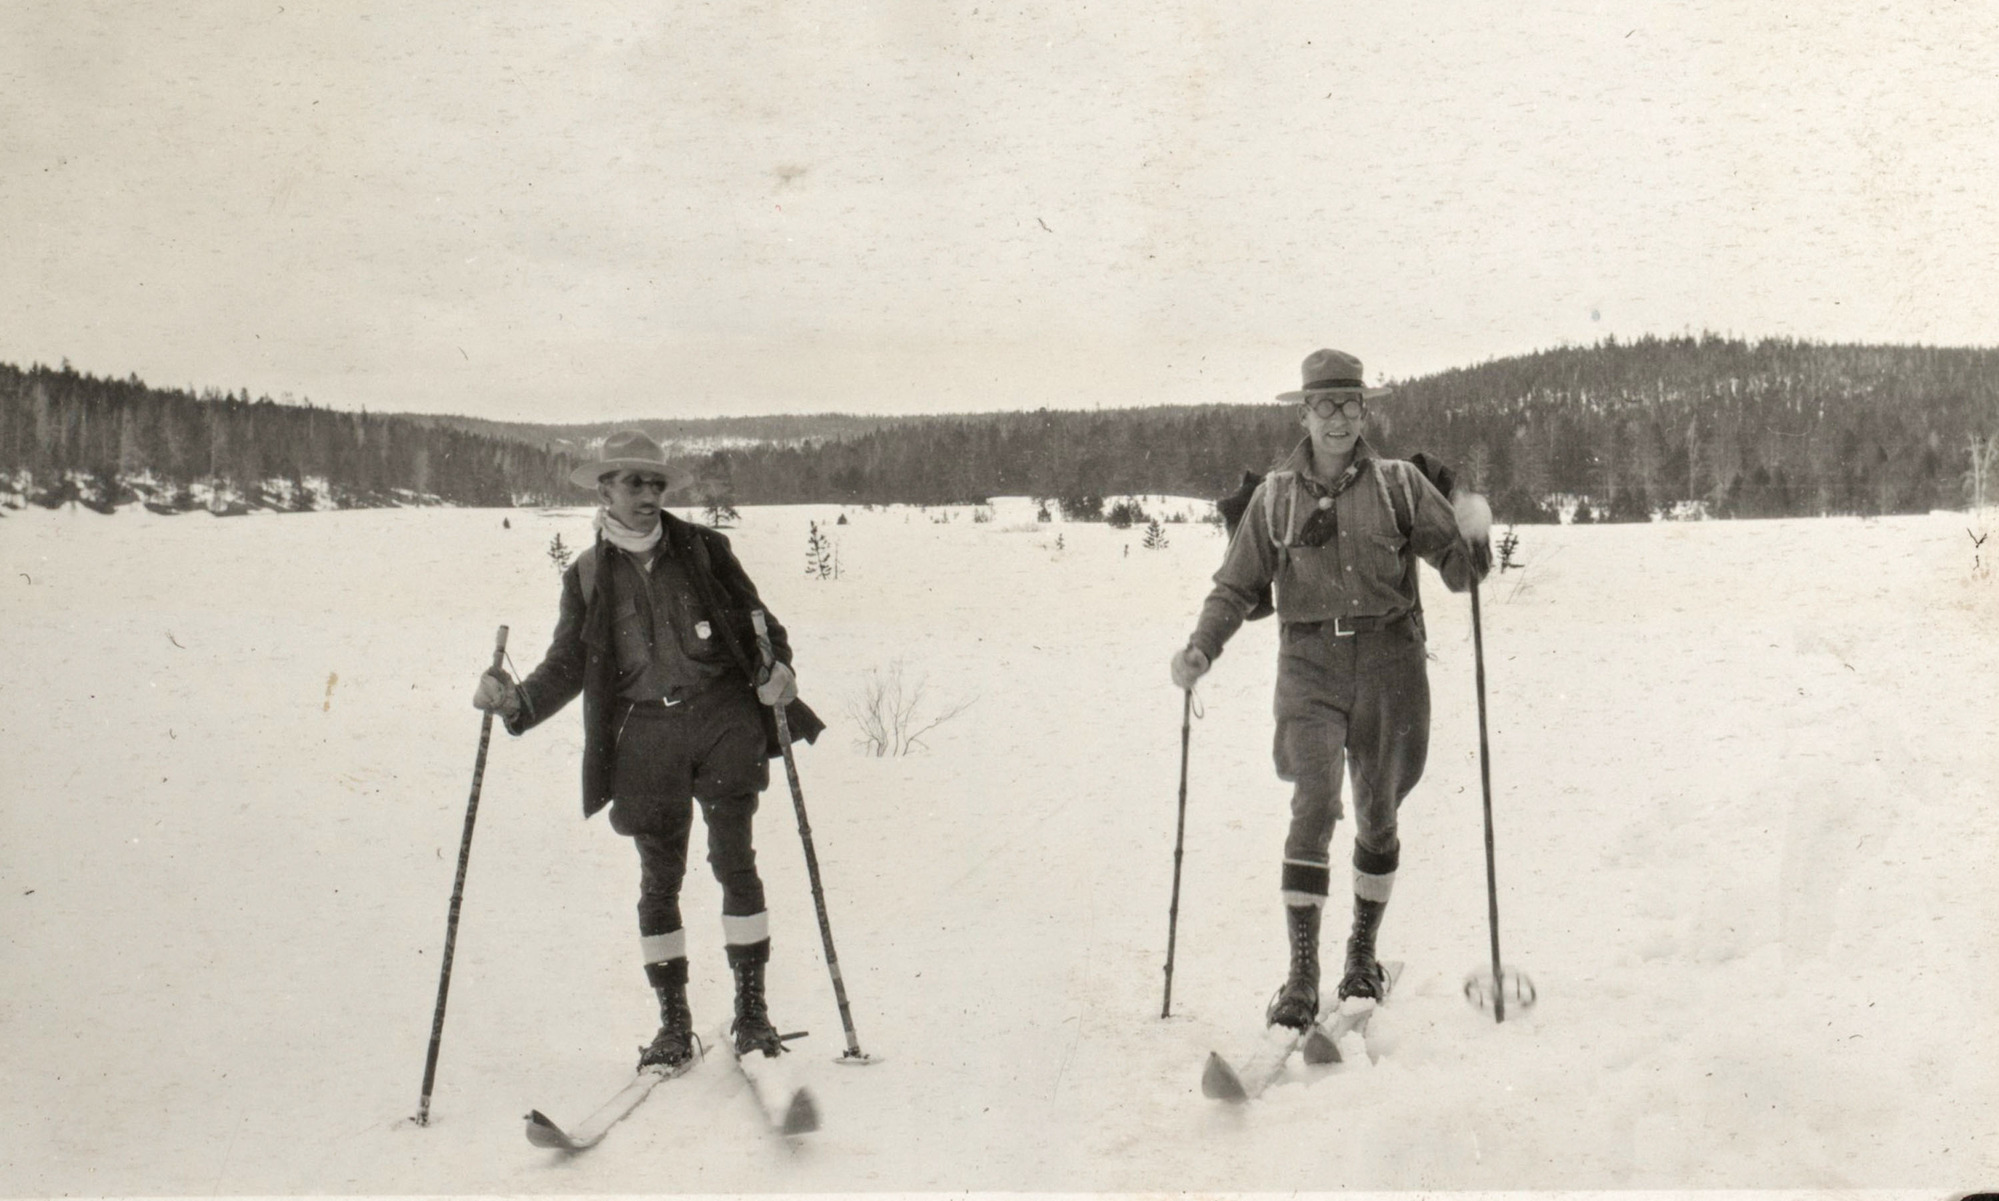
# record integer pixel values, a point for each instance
(1326, 404)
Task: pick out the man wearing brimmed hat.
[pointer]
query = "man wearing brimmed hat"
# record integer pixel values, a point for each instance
(1336, 530)
(655, 633)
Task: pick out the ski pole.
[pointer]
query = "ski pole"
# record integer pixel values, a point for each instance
(1485, 782)
(1179, 843)
(458, 894)
(853, 1052)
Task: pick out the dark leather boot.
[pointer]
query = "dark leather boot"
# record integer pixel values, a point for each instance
(752, 1029)
(673, 1046)
(1297, 1003)
(1364, 977)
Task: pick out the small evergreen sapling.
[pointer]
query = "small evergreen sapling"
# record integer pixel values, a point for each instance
(822, 557)
(558, 553)
(1155, 536)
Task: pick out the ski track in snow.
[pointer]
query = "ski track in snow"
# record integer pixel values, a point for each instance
(1741, 777)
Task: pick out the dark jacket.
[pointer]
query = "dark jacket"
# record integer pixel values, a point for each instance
(582, 659)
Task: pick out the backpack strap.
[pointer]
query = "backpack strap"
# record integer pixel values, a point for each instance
(1281, 536)
(586, 569)
(1287, 483)
(1401, 496)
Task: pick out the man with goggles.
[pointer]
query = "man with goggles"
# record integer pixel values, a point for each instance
(1335, 530)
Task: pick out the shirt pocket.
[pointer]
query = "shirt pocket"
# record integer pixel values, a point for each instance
(628, 633)
(700, 639)
(1381, 556)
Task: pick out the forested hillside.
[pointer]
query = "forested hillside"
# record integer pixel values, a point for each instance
(66, 436)
(1618, 431)
(1614, 431)
(1764, 429)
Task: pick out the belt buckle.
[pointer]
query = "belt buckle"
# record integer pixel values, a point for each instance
(1341, 629)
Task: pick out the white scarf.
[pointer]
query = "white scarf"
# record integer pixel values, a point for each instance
(624, 537)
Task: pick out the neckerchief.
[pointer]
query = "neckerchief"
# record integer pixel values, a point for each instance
(624, 537)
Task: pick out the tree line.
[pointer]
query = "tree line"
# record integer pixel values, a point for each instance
(71, 437)
(1614, 431)
(1726, 427)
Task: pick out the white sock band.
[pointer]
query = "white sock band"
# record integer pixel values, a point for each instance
(740, 930)
(1370, 887)
(658, 948)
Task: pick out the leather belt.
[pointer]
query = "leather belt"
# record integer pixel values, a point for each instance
(1347, 627)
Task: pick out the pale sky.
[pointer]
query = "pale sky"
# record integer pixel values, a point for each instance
(592, 210)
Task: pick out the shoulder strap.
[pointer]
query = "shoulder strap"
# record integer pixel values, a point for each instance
(1287, 481)
(1401, 498)
(586, 573)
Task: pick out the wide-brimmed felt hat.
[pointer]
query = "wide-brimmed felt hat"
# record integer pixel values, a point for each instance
(627, 450)
(1332, 371)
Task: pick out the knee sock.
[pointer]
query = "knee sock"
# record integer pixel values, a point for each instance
(1305, 883)
(1374, 872)
(747, 937)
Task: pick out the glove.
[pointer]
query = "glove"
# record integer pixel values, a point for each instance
(1188, 666)
(1435, 471)
(780, 686)
(496, 694)
(1475, 523)
(1474, 516)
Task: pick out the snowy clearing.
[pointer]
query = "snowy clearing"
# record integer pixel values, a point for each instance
(1742, 776)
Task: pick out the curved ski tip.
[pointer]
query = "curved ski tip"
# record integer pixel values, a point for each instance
(1320, 1049)
(1220, 1082)
(802, 1115)
(544, 1133)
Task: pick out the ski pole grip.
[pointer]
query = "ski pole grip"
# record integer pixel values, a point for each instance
(758, 624)
(500, 649)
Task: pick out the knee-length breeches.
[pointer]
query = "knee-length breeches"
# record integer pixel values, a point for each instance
(709, 749)
(1363, 697)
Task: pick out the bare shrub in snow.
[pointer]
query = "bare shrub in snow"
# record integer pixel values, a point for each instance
(890, 714)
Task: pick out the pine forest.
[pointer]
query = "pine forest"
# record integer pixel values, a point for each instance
(1660, 427)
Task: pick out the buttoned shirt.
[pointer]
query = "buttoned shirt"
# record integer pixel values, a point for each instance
(666, 641)
(1334, 550)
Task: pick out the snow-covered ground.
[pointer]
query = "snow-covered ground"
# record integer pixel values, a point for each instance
(1742, 771)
